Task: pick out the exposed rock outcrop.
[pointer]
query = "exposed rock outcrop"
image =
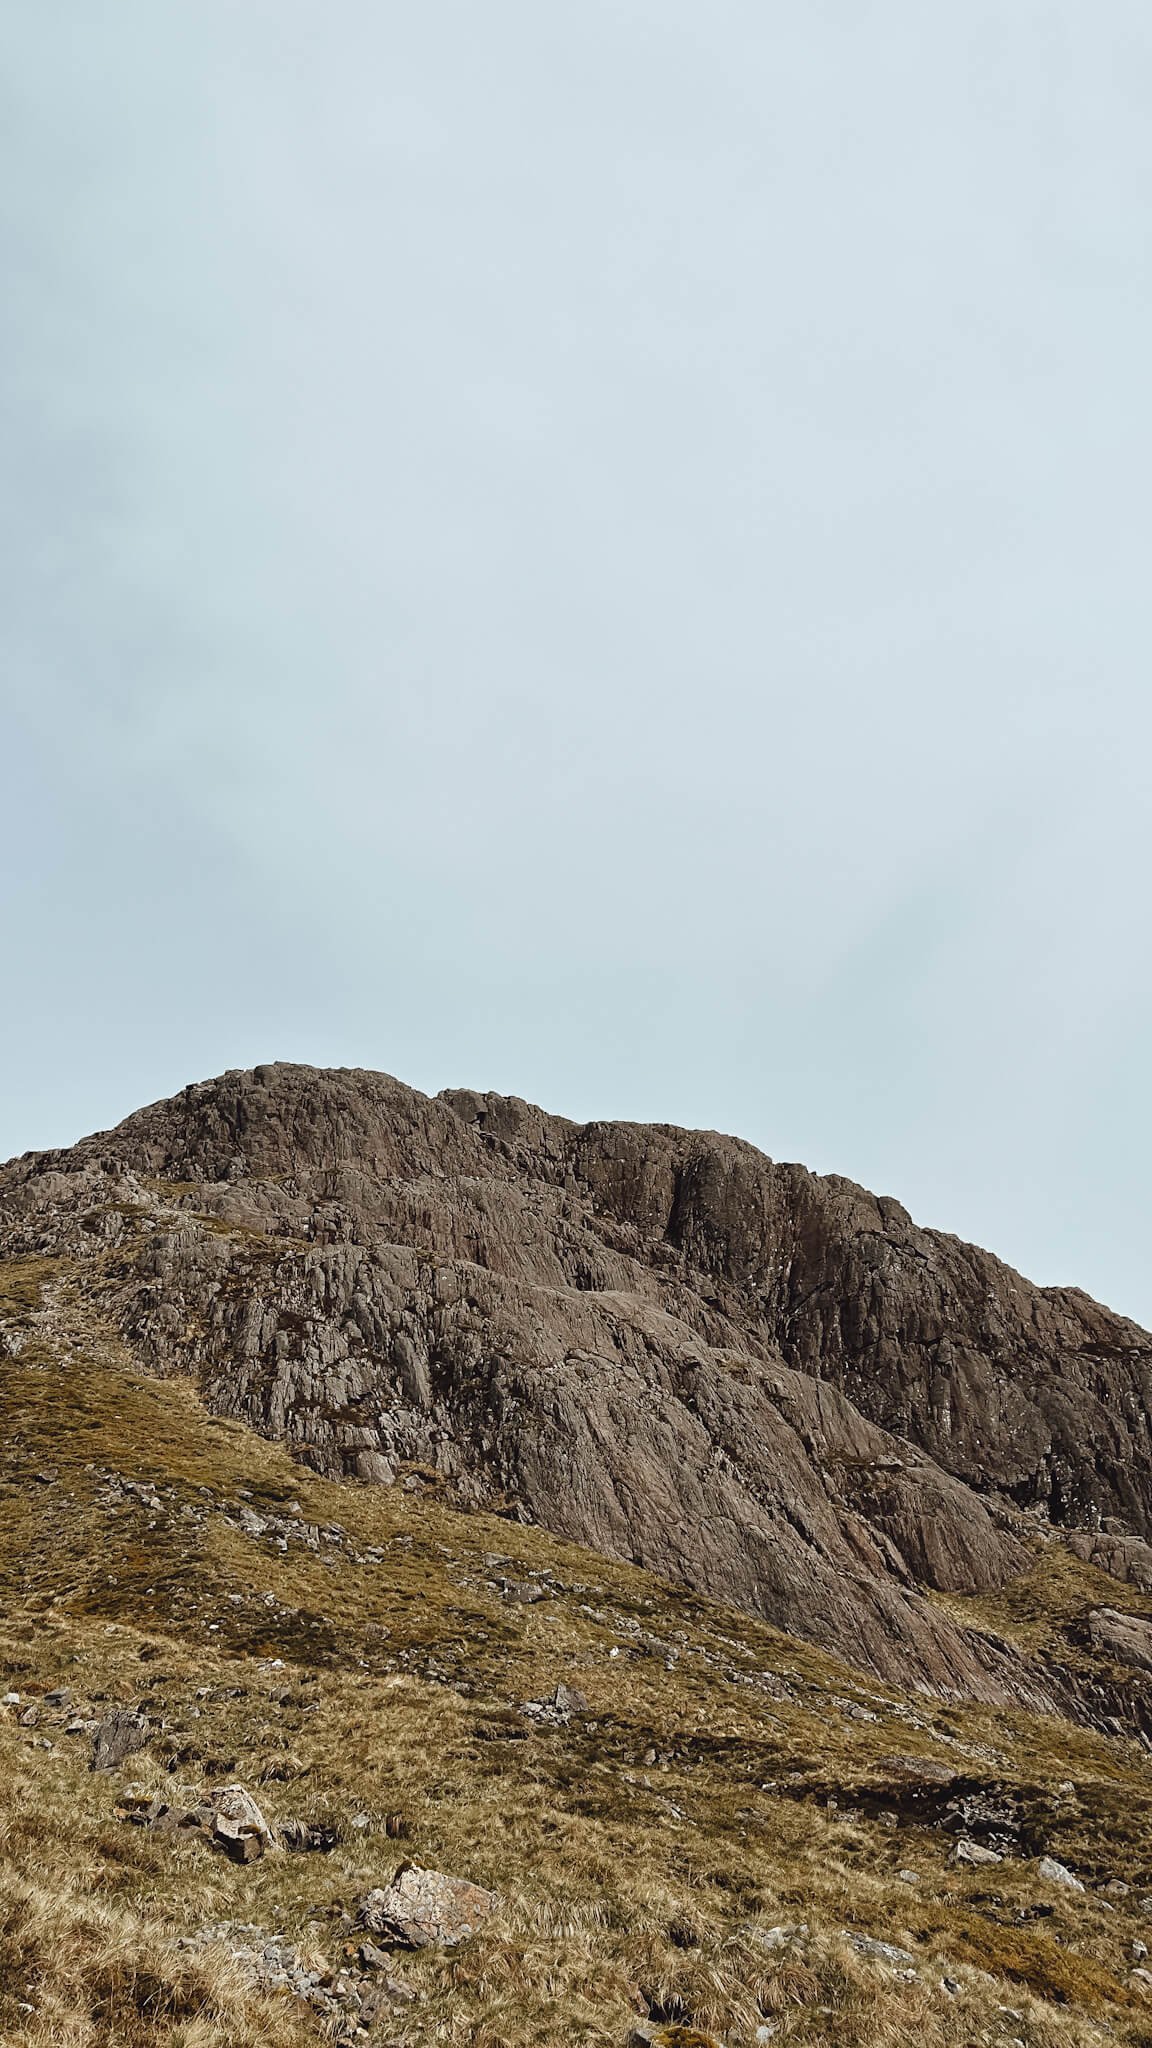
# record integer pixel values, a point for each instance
(766, 1384)
(1123, 1637)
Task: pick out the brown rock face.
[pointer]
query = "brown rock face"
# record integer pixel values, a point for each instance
(768, 1385)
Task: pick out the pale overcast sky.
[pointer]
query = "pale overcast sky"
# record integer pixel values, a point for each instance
(597, 550)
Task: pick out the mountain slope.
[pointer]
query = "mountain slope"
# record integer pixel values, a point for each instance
(306, 1384)
(715, 1835)
(769, 1386)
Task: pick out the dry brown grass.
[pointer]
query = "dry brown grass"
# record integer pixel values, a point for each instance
(639, 1853)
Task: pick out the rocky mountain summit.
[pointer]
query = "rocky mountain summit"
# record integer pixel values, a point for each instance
(833, 1723)
(767, 1385)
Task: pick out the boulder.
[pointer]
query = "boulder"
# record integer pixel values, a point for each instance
(975, 1852)
(1123, 1557)
(425, 1909)
(119, 1735)
(228, 1815)
(558, 1707)
(236, 1822)
(1122, 1636)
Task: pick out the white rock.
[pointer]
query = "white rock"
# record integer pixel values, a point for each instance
(1058, 1873)
(881, 1951)
(426, 1908)
(975, 1852)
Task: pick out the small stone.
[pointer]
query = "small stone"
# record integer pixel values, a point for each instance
(1058, 1873)
(303, 1835)
(880, 1951)
(908, 1876)
(649, 2036)
(770, 1939)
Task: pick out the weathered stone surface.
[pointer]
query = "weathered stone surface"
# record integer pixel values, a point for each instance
(426, 1909)
(305, 1836)
(1058, 1873)
(1127, 1558)
(767, 1384)
(237, 1822)
(119, 1735)
(975, 1852)
(228, 1814)
(1122, 1636)
(919, 1770)
(881, 1951)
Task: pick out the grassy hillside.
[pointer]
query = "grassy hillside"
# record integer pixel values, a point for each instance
(688, 1852)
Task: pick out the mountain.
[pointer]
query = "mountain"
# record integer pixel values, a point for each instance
(469, 1578)
(767, 1385)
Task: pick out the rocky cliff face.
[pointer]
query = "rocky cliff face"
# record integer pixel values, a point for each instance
(769, 1385)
